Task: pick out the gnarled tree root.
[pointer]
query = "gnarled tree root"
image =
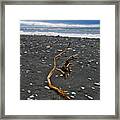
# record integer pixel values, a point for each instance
(63, 71)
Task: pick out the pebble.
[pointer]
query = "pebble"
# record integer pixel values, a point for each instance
(56, 75)
(73, 93)
(69, 48)
(31, 83)
(45, 57)
(90, 60)
(43, 51)
(82, 88)
(93, 88)
(39, 72)
(90, 97)
(61, 75)
(89, 78)
(59, 50)
(46, 81)
(98, 84)
(48, 46)
(72, 96)
(82, 51)
(36, 52)
(28, 91)
(50, 64)
(32, 96)
(27, 71)
(88, 65)
(82, 66)
(47, 51)
(23, 89)
(82, 45)
(36, 94)
(42, 60)
(69, 86)
(47, 87)
(97, 63)
(28, 98)
(25, 52)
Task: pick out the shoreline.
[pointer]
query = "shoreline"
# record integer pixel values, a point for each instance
(61, 36)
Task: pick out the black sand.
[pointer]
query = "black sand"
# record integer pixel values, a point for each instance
(36, 61)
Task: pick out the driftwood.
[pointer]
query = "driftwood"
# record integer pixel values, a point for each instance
(64, 70)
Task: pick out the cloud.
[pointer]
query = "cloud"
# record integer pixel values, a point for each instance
(47, 24)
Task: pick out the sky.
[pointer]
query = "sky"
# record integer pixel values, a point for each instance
(67, 21)
(61, 23)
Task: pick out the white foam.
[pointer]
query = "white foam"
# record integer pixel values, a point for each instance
(61, 34)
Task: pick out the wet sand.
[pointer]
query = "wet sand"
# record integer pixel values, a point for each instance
(36, 60)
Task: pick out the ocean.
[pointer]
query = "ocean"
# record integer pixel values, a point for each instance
(68, 28)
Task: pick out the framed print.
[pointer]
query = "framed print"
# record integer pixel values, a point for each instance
(60, 60)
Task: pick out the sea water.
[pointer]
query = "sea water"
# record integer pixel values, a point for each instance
(68, 28)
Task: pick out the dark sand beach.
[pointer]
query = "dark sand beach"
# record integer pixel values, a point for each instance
(36, 60)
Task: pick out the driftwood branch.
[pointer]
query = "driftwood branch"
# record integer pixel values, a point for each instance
(65, 70)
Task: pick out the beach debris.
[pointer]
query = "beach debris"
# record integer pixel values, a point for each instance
(64, 70)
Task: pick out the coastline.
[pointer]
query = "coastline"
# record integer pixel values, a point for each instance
(61, 34)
